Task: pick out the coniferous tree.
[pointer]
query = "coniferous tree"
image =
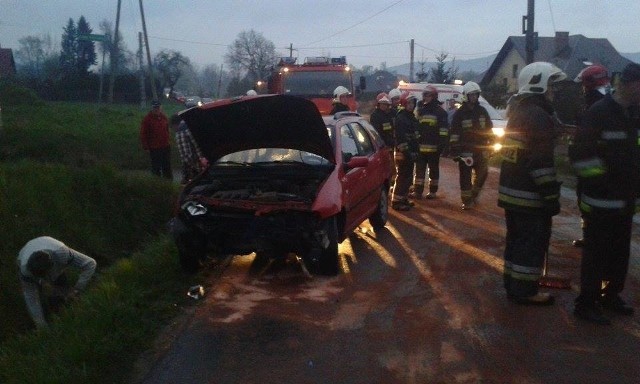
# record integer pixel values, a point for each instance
(85, 49)
(68, 62)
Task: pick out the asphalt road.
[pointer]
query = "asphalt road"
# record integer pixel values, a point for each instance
(420, 302)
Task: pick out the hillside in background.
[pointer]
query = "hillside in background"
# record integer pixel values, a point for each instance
(478, 65)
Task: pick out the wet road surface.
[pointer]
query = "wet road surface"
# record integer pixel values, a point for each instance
(419, 302)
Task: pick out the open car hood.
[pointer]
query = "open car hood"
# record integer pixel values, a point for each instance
(264, 121)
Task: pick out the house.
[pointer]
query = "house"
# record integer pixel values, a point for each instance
(381, 81)
(571, 53)
(7, 63)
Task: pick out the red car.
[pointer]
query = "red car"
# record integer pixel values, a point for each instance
(281, 180)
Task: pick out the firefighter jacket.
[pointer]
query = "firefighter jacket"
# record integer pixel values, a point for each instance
(606, 157)
(528, 181)
(434, 127)
(338, 107)
(471, 132)
(406, 132)
(383, 123)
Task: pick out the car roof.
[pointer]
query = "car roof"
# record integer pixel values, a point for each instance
(264, 121)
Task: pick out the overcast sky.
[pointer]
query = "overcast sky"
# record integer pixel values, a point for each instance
(367, 32)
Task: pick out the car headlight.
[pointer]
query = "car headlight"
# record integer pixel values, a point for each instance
(194, 209)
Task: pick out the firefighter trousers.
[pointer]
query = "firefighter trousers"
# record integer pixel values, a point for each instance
(404, 172)
(427, 168)
(472, 178)
(526, 246)
(605, 257)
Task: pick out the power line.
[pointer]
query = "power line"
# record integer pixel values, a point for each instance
(457, 53)
(188, 41)
(356, 24)
(356, 46)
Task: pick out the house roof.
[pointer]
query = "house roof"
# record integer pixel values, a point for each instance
(568, 56)
(7, 64)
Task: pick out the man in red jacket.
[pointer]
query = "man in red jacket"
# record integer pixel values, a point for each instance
(154, 136)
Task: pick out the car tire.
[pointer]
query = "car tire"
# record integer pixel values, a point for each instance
(379, 218)
(191, 251)
(328, 263)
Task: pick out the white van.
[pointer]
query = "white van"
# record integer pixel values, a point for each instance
(448, 92)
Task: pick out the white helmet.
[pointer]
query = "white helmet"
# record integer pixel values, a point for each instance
(251, 92)
(470, 87)
(395, 92)
(535, 77)
(339, 91)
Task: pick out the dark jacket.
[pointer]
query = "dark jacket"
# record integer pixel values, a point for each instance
(338, 107)
(471, 130)
(606, 157)
(154, 131)
(434, 127)
(406, 132)
(383, 123)
(527, 173)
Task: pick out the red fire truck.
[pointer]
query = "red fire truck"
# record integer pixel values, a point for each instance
(315, 80)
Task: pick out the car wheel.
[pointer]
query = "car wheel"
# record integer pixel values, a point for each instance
(328, 261)
(379, 218)
(191, 251)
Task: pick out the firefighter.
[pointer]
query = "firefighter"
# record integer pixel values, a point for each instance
(340, 100)
(394, 96)
(528, 189)
(382, 119)
(606, 157)
(434, 136)
(406, 151)
(471, 137)
(595, 84)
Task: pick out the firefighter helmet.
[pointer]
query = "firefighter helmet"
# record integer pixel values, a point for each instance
(251, 92)
(383, 98)
(470, 87)
(535, 77)
(395, 92)
(405, 97)
(430, 90)
(339, 91)
(593, 76)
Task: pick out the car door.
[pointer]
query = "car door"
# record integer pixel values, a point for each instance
(360, 183)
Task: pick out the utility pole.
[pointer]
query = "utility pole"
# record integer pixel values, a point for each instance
(411, 63)
(154, 92)
(290, 50)
(527, 30)
(219, 82)
(114, 55)
(143, 94)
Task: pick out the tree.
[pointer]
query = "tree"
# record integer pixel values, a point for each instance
(170, 65)
(69, 49)
(422, 75)
(440, 74)
(30, 56)
(251, 55)
(496, 94)
(126, 59)
(85, 49)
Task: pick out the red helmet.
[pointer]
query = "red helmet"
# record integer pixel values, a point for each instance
(383, 98)
(593, 76)
(405, 97)
(430, 90)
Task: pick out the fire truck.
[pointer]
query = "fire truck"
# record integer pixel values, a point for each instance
(315, 80)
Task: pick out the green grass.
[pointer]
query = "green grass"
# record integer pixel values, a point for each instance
(76, 172)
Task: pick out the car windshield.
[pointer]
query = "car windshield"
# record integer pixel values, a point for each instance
(315, 84)
(272, 156)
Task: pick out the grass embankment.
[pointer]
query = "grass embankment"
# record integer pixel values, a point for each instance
(65, 171)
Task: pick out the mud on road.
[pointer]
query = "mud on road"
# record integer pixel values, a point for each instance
(419, 302)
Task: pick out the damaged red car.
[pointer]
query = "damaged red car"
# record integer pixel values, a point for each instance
(281, 179)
